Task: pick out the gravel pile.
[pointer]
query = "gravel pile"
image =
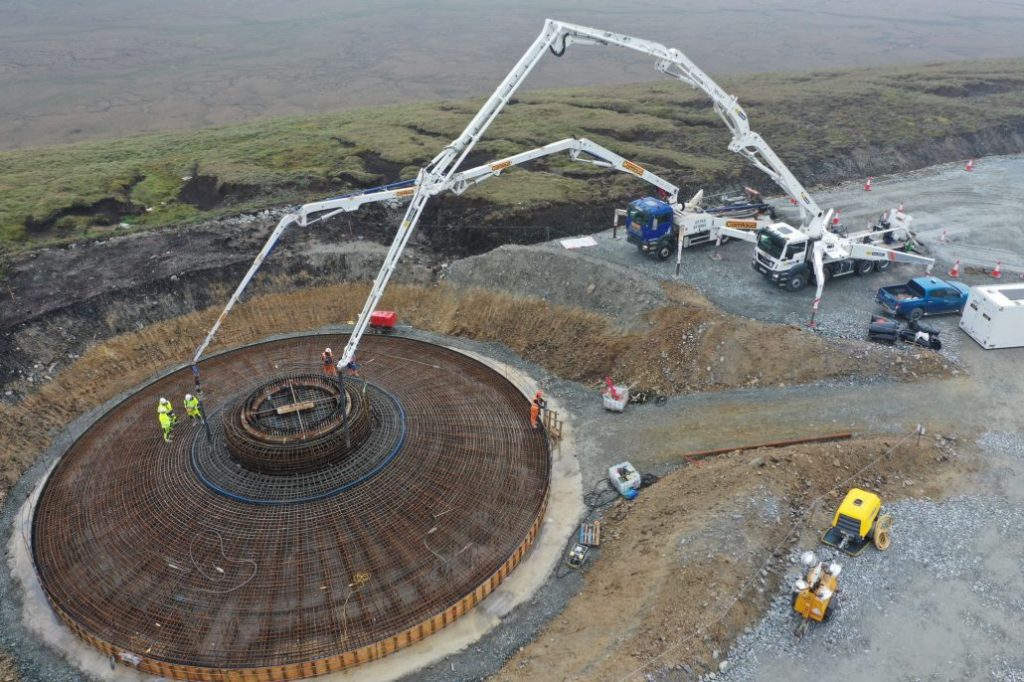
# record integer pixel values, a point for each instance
(953, 567)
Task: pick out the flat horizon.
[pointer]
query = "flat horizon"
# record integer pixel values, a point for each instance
(73, 71)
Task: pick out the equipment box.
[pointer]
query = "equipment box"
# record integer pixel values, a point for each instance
(383, 319)
(613, 404)
(994, 315)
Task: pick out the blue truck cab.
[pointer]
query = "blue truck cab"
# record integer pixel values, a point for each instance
(649, 225)
(923, 296)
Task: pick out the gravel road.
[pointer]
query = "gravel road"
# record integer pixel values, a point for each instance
(935, 597)
(978, 210)
(943, 603)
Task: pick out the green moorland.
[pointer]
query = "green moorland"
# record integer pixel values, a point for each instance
(53, 193)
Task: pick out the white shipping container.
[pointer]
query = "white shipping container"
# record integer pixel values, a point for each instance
(994, 315)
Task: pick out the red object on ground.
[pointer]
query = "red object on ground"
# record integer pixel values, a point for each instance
(611, 388)
(867, 185)
(998, 271)
(955, 272)
(383, 319)
(969, 166)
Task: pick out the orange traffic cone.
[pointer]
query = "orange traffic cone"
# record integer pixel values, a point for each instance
(867, 185)
(955, 272)
(970, 165)
(835, 218)
(997, 272)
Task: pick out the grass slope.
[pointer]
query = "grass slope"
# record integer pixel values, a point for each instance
(70, 191)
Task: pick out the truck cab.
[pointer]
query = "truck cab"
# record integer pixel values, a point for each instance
(781, 254)
(649, 225)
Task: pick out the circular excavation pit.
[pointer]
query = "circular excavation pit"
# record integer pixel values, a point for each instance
(281, 544)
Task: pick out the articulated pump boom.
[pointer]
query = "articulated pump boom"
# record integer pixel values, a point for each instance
(581, 150)
(440, 174)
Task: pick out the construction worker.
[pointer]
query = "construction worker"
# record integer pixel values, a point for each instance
(536, 406)
(192, 407)
(327, 359)
(353, 368)
(165, 414)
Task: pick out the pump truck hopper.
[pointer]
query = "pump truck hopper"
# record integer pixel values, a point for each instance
(859, 522)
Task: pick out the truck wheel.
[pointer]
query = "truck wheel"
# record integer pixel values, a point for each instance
(882, 265)
(915, 314)
(796, 281)
(664, 251)
(864, 267)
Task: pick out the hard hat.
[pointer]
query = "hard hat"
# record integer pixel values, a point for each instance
(539, 394)
(163, 401)
(834, 569)
(188, 396)
(801, 585)
(328, 351)
(808, 558)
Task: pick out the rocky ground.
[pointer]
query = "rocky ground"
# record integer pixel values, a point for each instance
(705, 552)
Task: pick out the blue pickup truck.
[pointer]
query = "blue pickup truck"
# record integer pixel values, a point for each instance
(923, 296)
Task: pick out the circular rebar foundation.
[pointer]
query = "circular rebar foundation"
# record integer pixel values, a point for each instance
(180, 560)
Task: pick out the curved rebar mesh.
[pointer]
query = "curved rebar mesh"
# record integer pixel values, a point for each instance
(295, 424)
(138, 555)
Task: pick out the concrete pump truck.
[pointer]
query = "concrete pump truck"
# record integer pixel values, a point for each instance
(810, 243)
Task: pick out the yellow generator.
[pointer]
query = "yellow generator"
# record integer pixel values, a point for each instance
(859, 522)
(813, 594)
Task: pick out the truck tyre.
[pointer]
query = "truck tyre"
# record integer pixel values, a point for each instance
(796, 281)
(915, 314)
(664, 251)
(863, 267)
(882, 265)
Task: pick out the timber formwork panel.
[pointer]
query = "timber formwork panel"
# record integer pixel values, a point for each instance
(174, 573)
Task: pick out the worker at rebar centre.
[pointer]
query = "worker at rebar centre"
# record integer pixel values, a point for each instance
(327, 359)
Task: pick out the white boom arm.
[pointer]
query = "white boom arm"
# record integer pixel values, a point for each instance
(744, 141)
(459, 183)
(557, 36)
(602, 156)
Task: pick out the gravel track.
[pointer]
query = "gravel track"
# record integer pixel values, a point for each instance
(941, 604)
(906, 607)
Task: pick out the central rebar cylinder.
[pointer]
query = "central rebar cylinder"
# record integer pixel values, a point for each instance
(296, 424)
